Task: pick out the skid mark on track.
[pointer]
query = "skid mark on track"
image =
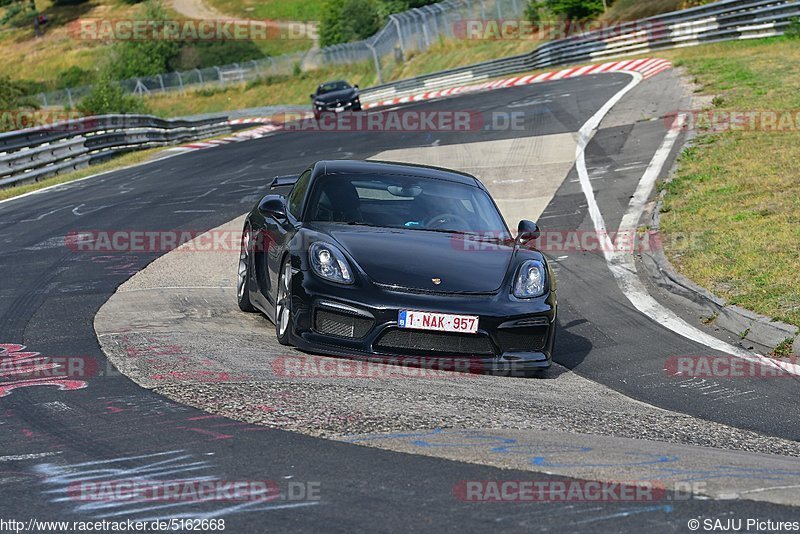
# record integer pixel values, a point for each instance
(157, 469)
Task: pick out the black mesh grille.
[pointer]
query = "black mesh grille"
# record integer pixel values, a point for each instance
(341, 324)
(416, 341)
(522, 339)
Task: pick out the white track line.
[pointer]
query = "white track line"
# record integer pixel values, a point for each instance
(621, 263)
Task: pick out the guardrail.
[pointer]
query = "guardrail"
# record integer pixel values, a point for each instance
(720, 21)
(34, 154)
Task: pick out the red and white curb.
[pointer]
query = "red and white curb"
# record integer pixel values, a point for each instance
(253, 133)
(646, 67)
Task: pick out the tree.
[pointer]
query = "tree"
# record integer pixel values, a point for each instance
(147, 57)
(108, 97)
(575, 9)
(343, 21)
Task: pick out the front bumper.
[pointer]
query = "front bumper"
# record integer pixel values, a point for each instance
(353, 105)
(515, 336)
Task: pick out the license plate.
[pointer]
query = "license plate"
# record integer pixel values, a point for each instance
(340, 108)
(443, 322)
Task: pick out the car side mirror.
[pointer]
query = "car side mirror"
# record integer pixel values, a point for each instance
(311, 96)
(273, 206)
(356, 86)
(527, 231)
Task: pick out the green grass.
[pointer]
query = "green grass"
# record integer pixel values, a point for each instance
(738, 192)
(302, 10)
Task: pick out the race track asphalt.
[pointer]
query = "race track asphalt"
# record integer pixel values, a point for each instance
(114, 429)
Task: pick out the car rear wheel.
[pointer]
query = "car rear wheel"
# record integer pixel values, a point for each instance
(283, 303)
(244, 270)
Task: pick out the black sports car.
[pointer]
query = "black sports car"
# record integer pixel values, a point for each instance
(334, 97)
(378, 259)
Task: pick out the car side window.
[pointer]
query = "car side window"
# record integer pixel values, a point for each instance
(298, 193)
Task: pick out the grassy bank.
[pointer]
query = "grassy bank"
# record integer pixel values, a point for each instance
(303, 10)
(738, 192)
(295, 89)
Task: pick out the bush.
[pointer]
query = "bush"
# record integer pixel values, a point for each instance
(74, 76)
(18, 15)
(15, 94)
(108, 97)
(148, 57)
(343, 21)
(575, 9)
(793, 30)
(532, 12)
(194, 55)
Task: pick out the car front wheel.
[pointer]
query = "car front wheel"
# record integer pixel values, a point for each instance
(283, 303)
(244, 270)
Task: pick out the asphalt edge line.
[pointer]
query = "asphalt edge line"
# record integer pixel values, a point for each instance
(621, 263)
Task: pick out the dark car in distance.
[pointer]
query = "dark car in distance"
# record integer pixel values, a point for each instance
(367, 259)
(335, 97)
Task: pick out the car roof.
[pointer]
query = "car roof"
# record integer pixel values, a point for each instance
(347, 166)
(334, 81)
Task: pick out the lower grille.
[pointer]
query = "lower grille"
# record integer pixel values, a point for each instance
(416, 341)
(522, 339)
(341, 324)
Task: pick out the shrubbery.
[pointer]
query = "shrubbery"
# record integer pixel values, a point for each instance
(131, 59)
(108, 97)
(74, 76)
(14, 94)
(343, 21)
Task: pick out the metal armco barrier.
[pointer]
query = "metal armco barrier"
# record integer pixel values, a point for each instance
(721, 21)
(34, 154)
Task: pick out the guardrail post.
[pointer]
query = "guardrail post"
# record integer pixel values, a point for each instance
(180, 80)
(199, 75)
(161, 82)
(69, 99)
(219, 75)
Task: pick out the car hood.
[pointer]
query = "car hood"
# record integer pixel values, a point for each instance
(337, 96)
(413, 258)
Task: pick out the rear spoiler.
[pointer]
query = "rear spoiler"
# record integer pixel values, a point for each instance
(281, 181)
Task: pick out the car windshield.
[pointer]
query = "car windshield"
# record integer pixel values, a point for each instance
(332, 86)
(400, 201)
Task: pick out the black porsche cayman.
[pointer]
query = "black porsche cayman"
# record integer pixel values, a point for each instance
(378, 259)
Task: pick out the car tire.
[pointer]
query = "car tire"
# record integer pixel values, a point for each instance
(244, 271)
(283, 303)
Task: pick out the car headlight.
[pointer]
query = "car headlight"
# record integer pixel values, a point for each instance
(329, 263)
(318, 103)
(530, 280)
